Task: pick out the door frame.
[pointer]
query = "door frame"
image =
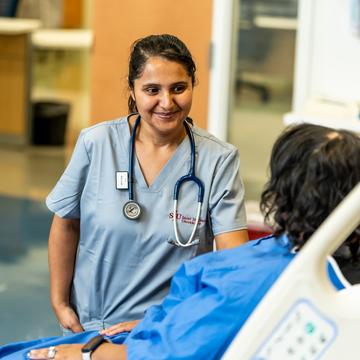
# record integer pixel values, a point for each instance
(222, 66)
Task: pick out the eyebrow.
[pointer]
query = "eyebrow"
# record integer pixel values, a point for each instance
(157, 85)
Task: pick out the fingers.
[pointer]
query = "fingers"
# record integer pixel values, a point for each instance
(38, 354)
(45, 353)
(76, 328)
(112, 330)
(72, 351)
(119, 328)
(69, 320)
(73, 326)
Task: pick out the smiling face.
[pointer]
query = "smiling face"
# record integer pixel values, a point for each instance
(163, 95)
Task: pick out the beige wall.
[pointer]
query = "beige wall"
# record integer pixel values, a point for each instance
(116, 24)
(73, 13)
(14, 83)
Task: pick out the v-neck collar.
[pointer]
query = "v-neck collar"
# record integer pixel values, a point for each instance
(181, 155)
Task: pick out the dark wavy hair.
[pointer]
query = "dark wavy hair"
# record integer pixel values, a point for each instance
(166, 46)
(312, 168)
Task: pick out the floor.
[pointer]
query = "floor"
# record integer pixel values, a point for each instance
(27, 175)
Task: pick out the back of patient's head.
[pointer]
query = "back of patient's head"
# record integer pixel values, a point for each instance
(312, 168)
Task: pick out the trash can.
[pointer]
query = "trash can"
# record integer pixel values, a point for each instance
(8, 8)
(49, 122)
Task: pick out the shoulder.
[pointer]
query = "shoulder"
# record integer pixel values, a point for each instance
(209, 142)
(104, 130)
(268, 250)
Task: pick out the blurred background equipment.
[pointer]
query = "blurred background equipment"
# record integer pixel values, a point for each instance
(49, 12)
(49, 122)
(8, 8)
(264, 70)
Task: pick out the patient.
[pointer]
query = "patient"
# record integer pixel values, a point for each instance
(312, 169)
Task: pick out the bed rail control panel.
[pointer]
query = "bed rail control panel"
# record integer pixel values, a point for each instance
(304, 333)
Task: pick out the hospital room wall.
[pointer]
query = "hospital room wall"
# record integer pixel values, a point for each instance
(328, 52)
(63, 73)
(119, 23)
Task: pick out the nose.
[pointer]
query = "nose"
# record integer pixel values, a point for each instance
(166, 100)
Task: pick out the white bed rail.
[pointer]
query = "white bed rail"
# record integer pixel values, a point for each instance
(303, 316)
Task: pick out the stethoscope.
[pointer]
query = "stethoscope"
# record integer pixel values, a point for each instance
(132, 209)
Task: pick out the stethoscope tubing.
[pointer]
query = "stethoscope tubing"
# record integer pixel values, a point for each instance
(132, 157)
(177, 240)
(191, 175)
(188, 177)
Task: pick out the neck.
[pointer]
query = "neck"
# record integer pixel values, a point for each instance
(147, 136)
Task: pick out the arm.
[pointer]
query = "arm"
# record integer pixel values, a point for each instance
(105, 351)
(63, 242)
(231, 239)
(110, 351)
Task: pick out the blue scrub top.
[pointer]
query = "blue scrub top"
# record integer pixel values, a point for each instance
(124, 266)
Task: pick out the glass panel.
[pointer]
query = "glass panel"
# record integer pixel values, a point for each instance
(262, 84)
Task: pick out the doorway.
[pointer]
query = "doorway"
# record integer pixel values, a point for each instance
(264, 69)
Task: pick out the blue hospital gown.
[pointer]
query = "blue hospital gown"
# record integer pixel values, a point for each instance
(210, 298)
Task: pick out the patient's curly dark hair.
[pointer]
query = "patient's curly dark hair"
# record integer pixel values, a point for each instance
(312, 168)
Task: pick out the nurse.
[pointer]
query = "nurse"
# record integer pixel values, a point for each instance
(110, 261)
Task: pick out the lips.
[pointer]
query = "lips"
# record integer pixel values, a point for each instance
(165, 115)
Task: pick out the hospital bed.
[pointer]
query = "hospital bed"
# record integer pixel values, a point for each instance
(302, 317)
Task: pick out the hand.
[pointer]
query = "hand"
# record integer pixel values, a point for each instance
(68, 318)
(72, 352)
(119, 328)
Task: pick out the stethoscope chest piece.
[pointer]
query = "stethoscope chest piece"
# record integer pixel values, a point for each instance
(132, 210)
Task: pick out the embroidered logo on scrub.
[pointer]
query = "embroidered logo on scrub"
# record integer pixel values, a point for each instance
(186, 219)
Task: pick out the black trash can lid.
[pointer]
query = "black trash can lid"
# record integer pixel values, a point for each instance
(50, 109)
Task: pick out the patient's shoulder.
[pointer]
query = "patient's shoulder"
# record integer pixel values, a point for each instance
(243, 256)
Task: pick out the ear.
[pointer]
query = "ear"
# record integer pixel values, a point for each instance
(132, 94)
